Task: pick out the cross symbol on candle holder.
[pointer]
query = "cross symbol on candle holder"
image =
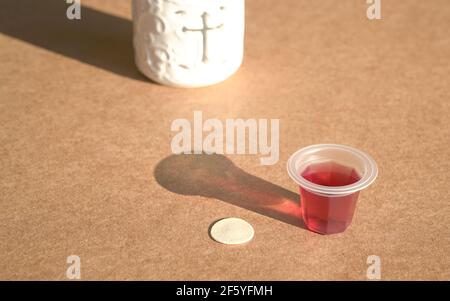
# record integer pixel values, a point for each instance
(204, 31)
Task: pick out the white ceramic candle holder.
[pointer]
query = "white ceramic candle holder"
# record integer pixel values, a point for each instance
(188, 43)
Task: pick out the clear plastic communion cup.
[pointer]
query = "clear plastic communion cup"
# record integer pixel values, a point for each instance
(330, 177)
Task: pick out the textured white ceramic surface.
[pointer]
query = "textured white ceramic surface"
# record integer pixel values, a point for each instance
(188, 43)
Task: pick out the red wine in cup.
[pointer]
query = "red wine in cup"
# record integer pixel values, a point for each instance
(328, 214)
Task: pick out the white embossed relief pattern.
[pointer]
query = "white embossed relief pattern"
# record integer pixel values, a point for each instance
(188, 42)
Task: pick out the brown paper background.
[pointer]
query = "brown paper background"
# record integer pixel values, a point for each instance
(82, 134)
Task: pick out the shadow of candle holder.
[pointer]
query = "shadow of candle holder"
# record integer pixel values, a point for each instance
(215, 176)
(99, 39)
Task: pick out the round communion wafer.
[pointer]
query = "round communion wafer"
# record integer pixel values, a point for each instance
(232, 231)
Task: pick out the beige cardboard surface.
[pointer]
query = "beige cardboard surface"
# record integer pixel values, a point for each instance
(86, 165)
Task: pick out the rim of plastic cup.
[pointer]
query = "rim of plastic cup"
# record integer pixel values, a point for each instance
(369, 175)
